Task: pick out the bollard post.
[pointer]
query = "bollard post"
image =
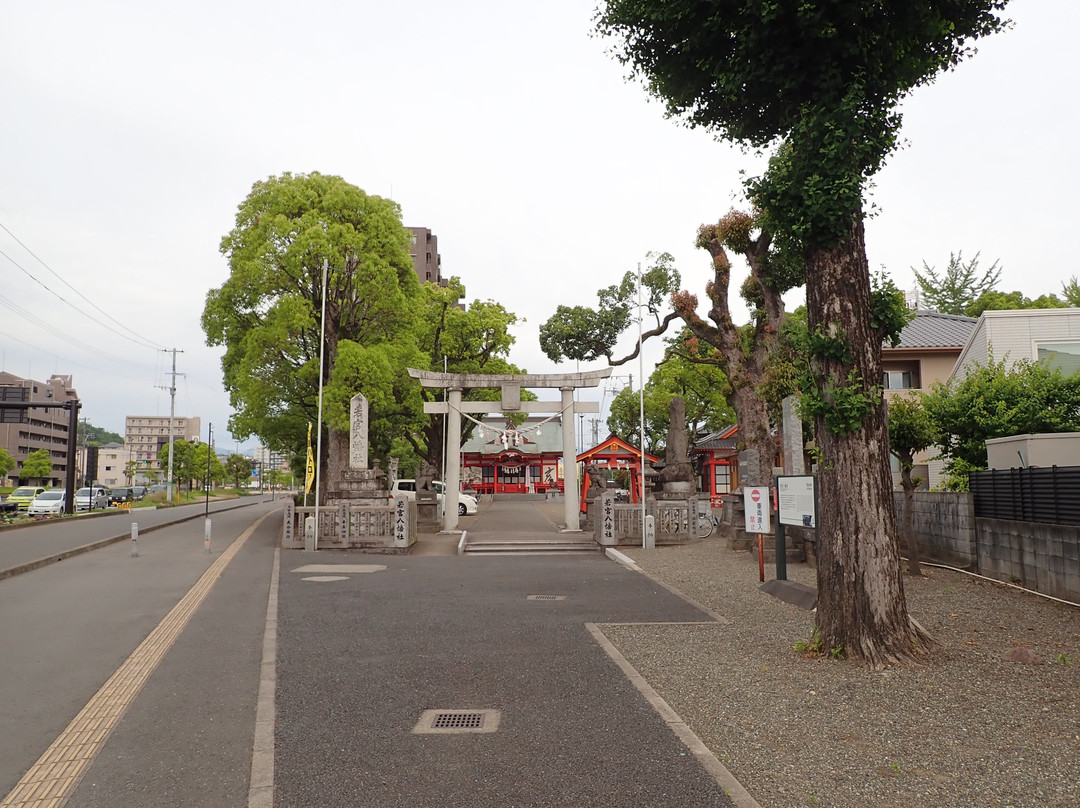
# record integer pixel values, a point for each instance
(650, 532)
(206, 535)
(134, 539)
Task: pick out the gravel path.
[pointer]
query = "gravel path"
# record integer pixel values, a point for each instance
(968, 728)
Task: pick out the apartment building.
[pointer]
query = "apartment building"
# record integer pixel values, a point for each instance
(47, 427)
(424, 251)
(144, 435)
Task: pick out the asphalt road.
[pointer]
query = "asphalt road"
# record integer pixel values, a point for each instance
(359, 656)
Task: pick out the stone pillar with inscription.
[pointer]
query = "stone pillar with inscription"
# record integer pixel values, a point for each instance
(358, 483)
(792, 434)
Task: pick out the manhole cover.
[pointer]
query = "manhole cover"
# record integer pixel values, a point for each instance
(546, 597)
(450, 722)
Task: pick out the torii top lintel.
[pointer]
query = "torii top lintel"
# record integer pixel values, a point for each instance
(468, 381)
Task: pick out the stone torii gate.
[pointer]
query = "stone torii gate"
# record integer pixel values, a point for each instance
(510, 385)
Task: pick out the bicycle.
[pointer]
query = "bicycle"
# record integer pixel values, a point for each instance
(705, 525)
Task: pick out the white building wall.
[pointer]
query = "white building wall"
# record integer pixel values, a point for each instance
(1013, 335)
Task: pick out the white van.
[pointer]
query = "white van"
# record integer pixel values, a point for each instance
(406, 489)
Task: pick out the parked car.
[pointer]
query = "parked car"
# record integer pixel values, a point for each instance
(156, 488)
(123, 495)
(467, 504)
(48, 503)
(24, 495)
(92, 499)
(138, 491)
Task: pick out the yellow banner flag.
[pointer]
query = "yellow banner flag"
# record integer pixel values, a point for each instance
(310, 463)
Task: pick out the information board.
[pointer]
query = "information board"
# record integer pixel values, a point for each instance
(797, 500)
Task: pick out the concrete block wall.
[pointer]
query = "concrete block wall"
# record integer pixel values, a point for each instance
(1035, 555)
(944, 526)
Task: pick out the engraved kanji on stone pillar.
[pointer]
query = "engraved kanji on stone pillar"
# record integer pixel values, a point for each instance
(358, 432)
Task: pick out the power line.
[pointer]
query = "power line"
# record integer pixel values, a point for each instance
(138, 339)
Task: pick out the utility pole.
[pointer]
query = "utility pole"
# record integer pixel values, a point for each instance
(172, 419)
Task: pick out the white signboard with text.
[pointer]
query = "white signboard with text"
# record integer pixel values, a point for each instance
(756, 502)
(796, 500)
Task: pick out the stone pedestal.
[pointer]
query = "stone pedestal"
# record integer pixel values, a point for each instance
(427, 509)
(358, 486)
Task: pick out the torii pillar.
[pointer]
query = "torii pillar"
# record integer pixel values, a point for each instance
(510, 384)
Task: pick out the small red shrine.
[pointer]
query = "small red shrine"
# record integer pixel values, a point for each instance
(716, 458)
(615, 454)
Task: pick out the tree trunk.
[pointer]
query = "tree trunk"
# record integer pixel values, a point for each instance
(861, 605)
(754, 432)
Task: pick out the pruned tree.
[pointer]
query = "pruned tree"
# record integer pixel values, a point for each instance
(703, 388)
(957, 288)
(826, 79)
(741, 353)
(911, 431)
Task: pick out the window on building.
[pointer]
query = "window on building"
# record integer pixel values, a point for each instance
(897, 380)
(722, 479)
(1063, 355)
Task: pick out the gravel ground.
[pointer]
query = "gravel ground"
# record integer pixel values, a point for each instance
(967, 728)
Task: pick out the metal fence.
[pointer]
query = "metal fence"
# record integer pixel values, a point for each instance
(1050, 495)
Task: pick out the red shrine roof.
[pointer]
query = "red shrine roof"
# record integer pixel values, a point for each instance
(614, 447)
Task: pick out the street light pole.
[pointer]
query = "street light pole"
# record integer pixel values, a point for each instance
(314, 543)
(641, 398)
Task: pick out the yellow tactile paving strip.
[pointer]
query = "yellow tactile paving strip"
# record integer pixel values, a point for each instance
(52, 780)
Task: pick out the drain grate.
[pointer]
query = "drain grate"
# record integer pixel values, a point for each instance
(457, 721)
(546, 597)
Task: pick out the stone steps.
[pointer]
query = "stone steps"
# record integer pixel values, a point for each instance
(532, 546)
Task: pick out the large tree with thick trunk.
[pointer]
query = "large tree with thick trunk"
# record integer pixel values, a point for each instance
(825, 78)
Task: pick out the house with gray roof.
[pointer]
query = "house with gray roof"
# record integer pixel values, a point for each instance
(929, 348)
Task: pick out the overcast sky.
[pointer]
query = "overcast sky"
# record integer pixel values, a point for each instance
(132, 131)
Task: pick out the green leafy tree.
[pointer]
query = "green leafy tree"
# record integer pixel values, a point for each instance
(701, 386)
(958, 287)
(832, 97)
(1000, 301)
(238, 469)
(37, 466)
(7, 462)
(472, 340)
(205, 467)
(130, 469)
(994, 401)
(183, 471)
(268, 314)
(911, 431)
(624, 417)
(1071, 292)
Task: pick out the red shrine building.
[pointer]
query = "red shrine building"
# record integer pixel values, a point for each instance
(615, 454)
(503, 458)
(715, 457)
